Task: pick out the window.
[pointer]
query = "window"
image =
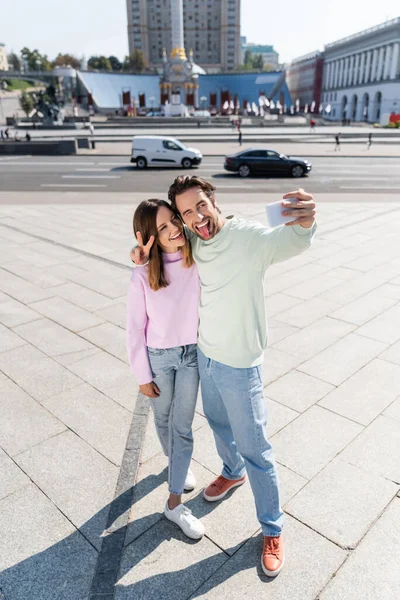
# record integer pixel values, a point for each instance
(171, 145)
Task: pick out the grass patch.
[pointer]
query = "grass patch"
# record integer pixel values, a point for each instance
(18, 84)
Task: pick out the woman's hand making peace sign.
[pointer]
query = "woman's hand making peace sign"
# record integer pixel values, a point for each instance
(140, 254)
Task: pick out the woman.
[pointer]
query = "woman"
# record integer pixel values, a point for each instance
(162, 320)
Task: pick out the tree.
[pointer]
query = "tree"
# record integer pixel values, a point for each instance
(99, 63)
(135, 62)
(26, 103)
(35, 61)
(258, 62)
(116, 65)
(14, 62)
(248, 58)
(67, 60)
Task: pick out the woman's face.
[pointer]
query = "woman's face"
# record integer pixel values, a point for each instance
(170, 230)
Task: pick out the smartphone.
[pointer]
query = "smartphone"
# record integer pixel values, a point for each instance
(274, 214)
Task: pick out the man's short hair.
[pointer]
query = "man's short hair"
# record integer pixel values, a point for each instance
(183, 183)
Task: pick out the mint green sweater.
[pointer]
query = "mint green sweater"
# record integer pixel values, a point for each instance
(232, 265)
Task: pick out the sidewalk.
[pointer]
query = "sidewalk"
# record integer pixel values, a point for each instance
(72, 425)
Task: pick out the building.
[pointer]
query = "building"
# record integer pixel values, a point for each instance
(270, 56)
(361, 79)
(304, 79)
(3, 58)
(211, 31)
(109, 92)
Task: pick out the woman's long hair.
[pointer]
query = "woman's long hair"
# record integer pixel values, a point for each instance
(145, 221)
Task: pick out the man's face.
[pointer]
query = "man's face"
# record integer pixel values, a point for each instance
(199, 213)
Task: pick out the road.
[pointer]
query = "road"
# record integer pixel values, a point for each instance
(116, 174)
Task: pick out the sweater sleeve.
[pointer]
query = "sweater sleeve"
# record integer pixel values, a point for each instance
(280, 244)
(136, 321)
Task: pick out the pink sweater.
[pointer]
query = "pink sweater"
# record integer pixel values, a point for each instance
(163, 319)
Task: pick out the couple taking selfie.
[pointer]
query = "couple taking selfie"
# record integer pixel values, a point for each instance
(196, 312)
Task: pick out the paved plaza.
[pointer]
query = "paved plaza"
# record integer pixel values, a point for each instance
(83, 478)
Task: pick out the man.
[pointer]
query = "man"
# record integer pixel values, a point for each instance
(232, 256)
(337, 141)
(369, 141)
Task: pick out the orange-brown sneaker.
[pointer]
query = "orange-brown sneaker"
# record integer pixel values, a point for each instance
(273, 555)
(220, 487)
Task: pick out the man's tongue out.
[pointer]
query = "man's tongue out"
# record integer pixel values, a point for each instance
(203, 230)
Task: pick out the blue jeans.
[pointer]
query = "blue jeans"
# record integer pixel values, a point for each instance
(176, 374)
(236, 410)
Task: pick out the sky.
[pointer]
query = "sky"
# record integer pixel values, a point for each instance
(89, 27)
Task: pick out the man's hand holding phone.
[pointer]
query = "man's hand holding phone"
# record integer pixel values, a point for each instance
(297, 208)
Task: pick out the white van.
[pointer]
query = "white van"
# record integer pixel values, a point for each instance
(157, 151)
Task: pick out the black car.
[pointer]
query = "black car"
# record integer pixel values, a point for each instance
(257, 162)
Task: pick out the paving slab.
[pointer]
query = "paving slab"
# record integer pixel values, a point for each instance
(8, 339)
(375, 450)
(12, 477)
(79, 481)
(392, 354)
(343, 358)
(109, 337)
(385, 327)
(300, 579)
(83, 297)
(25, 422)
(367, 393)
(342, 502)
(279, 303)
(393, 410)
(110, 376)
(42, 556)
(314, 287)
(277, 363)
(39, 276)
(71, 357)
(320, 434)
(14, 313)
(67, 314)
(368, 574)
(101, 422)
(348, 291)
(114, 314)
(306, 313)
(52, 339)
(364, 309)
(278, 331)
(20, 289)
(298, 390)
(36, 373)
(314, 338)
(163, 563)
(278, 416)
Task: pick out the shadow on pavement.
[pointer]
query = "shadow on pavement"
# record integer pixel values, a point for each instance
(64, 571)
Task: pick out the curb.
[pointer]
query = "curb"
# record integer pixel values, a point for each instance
(113, 544)
(299, 156)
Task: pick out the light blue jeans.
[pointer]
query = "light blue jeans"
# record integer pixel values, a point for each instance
(176, 374)
(236, 410)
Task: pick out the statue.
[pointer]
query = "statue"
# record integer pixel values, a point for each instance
(47, 107)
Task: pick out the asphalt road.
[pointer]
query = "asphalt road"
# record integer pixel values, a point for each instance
(116, 174)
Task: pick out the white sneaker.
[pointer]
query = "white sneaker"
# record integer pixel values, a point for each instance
(190, 481)
(184, 518)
